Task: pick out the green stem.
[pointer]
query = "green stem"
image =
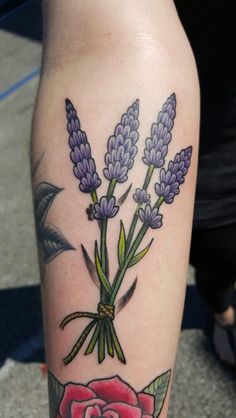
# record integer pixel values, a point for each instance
(159, 202)
(116, 343)
(94, 338)
(94, 196)
(132, 228)
(135, 217)
(111, 188)
(110, 348)
(101, 343)
(103, 253)
(103, 243)
(148, 176)
(120, 275)
(121, 272)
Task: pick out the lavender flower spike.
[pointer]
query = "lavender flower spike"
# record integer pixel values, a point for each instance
(106, 208)
(141, 196)
(122, 147)
(157, 145)
(173, 177)
(150, 217)
(84, 164)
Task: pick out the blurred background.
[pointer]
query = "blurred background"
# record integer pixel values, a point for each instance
(202, 386)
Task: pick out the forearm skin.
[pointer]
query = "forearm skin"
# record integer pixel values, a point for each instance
(103, 59)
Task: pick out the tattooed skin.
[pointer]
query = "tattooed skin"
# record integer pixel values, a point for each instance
(119, 160)
(51, 240)
(107, 398)
(35, 166)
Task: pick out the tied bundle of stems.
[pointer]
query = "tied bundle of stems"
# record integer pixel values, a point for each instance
(119, 159)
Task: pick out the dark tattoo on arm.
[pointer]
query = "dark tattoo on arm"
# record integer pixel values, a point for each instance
(109, 398)
(35, 166)
(119, 160)
(51, 240)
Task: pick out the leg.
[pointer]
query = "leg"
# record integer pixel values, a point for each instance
(219, 296)
(113, 278)
(213, 255)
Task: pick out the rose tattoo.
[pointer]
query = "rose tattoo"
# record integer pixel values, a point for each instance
(107, 398)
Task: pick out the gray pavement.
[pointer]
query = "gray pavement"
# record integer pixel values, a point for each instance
(202, 387)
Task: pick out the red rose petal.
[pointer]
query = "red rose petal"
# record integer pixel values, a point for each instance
(74, 393)
(114, 390)
(124, 410)
(83, 409)
(146, 403)
(110, 414)
(91, 412)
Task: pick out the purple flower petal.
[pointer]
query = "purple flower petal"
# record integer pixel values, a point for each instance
(150, 217)
(173, 177)
(141, 196)
(157, 146)
(121, 150)
(84, 164)
(106, 208)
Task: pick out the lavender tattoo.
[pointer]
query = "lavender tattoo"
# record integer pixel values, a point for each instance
(119, 160)
(121, 148)
(84, 164)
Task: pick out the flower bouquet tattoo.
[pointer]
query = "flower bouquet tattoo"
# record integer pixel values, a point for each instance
(119, 159)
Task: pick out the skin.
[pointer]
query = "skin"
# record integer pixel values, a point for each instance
(103, 55)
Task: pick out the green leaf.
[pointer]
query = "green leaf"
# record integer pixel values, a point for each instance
(159, 388)
(101, 274)
(53, 242)
(55, 390)
(136, 258)
(121, 245)
(110, 348)
(45, 193)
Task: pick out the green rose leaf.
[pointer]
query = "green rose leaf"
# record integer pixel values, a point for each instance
(159, 387)
(56, 390)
